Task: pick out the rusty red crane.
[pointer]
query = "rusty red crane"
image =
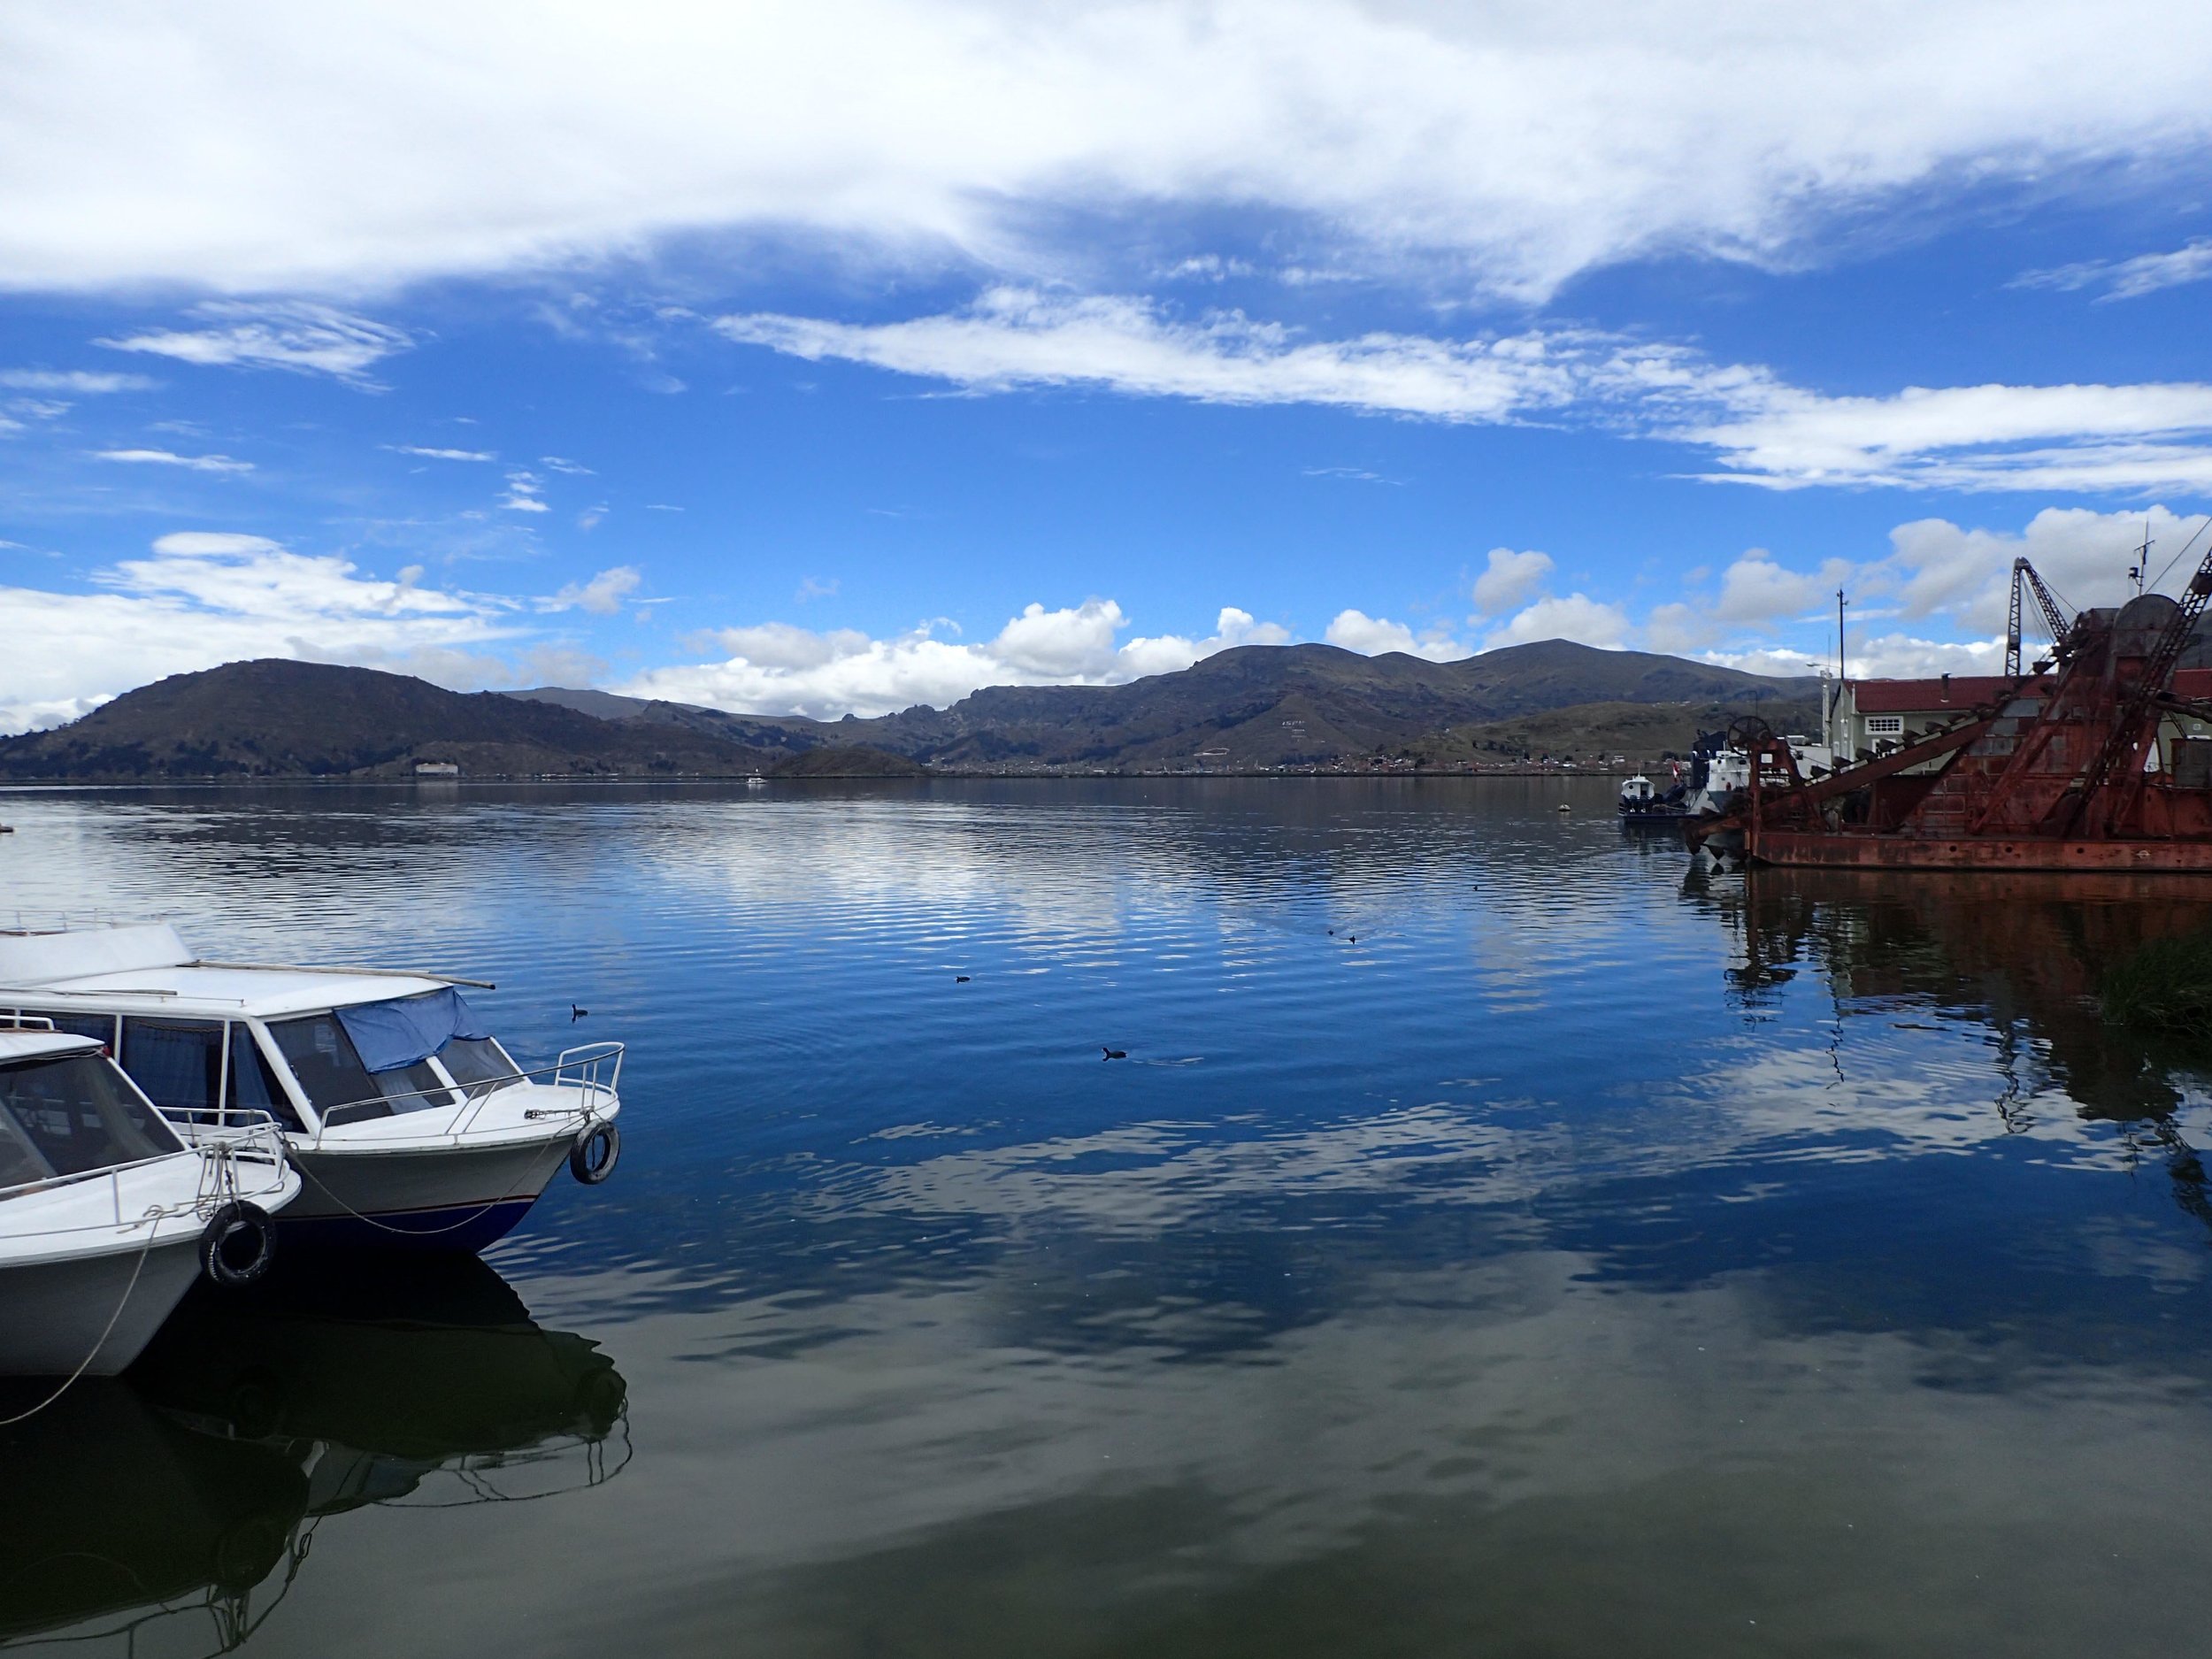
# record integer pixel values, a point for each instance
(2062, 769)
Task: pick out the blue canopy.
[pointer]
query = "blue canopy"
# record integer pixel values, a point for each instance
(389, 1035)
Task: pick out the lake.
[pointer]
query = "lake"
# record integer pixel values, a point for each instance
(1500, 1238)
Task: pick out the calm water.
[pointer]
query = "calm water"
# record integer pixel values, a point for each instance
(1494, 1243)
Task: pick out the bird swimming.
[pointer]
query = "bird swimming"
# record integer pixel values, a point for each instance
(1115, 1054)
(962, 978)
(576, 1013)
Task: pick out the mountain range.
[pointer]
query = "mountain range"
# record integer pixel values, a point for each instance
(1251, 708)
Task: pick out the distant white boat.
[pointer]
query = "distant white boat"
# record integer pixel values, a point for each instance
(106, 1215)
(409, 1122)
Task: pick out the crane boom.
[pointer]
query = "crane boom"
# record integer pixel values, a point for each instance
(2054, 618)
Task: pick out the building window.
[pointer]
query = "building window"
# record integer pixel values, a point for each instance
(1885, 725)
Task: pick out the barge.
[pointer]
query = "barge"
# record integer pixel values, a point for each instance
(2096, 757)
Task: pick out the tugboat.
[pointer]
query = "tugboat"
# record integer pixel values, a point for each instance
(1643, 801)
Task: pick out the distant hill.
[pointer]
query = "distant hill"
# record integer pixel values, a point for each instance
(1641, 731)
(1256, 705)
(276, 718)
(840, 760)
(789, 733)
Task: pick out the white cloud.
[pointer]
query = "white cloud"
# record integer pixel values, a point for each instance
(169, 457)
(2128, 439)
(1937, 569)
(1351, 474)
(1678, 629)
(1757, 592)
(259, 145)
(1508, 578)
(1882, 656)
(1577, 617)
(1015, 337)
(523, 494)
(441, 455)
(776, 668)
(561, 464)
(602, 595)
(300, 335)
(203, 598)
(1936, 576)
(83, 382)
(1372, 636)
(2129, 279)
(2070, 438)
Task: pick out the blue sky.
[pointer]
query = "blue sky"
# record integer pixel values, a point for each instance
(843, 356)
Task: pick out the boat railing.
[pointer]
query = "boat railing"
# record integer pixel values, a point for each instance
(231, 1166)
(591, 1071)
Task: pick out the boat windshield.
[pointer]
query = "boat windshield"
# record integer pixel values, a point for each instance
(479, 1064)
(72, 1114)
(329, 1069)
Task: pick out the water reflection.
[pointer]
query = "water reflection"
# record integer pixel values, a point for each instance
(1581, 1262)
(2021, 955)
(188, 1494)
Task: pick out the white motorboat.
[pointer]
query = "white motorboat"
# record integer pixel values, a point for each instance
(106, 1215)
(409, 1122)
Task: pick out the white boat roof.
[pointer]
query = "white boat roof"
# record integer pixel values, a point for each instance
(33, 1045)
(148, 969)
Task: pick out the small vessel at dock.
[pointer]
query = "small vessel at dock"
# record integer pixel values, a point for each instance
(1643, 801)
(106, 1215)
(410, 1123)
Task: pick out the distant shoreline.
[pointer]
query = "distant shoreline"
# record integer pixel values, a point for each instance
(31, 786)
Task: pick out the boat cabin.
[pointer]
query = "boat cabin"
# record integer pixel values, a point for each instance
(66, 1111)
(311, 1047)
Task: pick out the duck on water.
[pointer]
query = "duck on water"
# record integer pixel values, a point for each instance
(409, 1122)
(106, 1215)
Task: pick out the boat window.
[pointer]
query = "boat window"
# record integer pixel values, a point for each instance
(99, 1027)
(254, 1084)
(343, 1090)
(179, 1063)
(78, 1115)
(19, 1162)
(479, 1064)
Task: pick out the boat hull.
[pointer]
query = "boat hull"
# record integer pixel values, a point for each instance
(51, 1313)
(1796, 848)
(446, 1198)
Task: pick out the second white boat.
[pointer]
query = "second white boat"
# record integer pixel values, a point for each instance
(409, 1122)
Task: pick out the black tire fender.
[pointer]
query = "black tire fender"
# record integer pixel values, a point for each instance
(598, 1148)
(238, 1243)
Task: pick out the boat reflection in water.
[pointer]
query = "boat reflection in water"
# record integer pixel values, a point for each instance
(2022, 954)
(192, 1488)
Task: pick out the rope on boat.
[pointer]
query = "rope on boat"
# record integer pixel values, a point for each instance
(152, 1218)
(218, 1170)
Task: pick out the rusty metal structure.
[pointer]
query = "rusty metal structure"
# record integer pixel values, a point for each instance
(2063, 770)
